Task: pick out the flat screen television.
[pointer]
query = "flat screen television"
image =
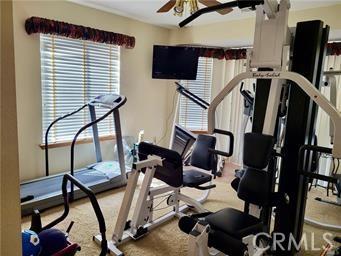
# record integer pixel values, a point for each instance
(174, 62)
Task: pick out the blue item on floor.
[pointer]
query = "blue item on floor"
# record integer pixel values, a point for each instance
(30, 243)
(52, 241)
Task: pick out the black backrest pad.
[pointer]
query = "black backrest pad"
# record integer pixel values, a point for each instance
(171, 171)
(201, 157)
(254, 187)
(257, 150)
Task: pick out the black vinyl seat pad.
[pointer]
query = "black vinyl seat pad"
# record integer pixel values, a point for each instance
(194, 178)
(227, 229)
(234, 223)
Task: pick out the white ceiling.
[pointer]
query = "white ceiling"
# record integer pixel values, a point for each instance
(145, 10)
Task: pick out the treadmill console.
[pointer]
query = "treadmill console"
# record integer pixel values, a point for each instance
(107, 100)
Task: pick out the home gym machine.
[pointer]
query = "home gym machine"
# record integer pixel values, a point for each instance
(249, 99)
(273, 64)
(327, 167)
(203, 155)
(45, 192)
(330, 81)
(182, 140)
(165, 165)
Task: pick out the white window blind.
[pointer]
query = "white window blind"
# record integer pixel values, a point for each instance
(192, 116)
(72, 73)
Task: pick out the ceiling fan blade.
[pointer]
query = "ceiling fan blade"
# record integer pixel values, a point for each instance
(210, 3)
(169, 5)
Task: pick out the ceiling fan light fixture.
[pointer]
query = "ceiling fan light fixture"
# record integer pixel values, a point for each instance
(187, 7)
(179, 7)
(193, 6)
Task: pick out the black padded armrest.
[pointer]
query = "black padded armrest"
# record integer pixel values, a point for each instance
(231, 142)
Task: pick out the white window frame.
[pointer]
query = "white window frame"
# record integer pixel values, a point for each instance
(191, 116)
(73, 72)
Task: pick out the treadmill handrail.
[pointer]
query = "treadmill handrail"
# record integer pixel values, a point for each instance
(73, 143)
(89, 125)
(84, 128)
(47, 171)
(91, 195)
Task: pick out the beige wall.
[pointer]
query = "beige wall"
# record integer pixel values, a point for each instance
(240, 32)
(149, 101)
(9, 172)
(0, 125)
(147, 104)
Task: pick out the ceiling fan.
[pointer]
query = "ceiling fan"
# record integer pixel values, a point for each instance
(179, 6)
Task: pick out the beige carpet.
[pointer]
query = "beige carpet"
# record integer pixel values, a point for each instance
(167, 239)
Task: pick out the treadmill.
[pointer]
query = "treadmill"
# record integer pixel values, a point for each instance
(45, 192)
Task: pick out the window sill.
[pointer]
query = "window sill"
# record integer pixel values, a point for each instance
(66, 143)
(199, 132)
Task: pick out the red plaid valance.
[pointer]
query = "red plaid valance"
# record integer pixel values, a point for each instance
(230, 54)
(237, 54)
(46, 26)
(334, 48)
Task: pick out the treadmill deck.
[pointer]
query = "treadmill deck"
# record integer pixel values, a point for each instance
(47, 191)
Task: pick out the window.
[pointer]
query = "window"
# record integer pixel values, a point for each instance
(192, 116)
(72, 73)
